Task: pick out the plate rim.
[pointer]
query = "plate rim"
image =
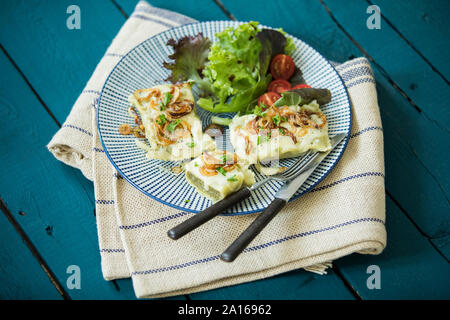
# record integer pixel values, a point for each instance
(345, 141)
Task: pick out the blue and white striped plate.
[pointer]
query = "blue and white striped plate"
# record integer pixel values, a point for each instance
(142, 67)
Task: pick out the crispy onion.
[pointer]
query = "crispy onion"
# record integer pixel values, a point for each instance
(151, 93)
(286, 132)
(179, 108)
(248, 145)
(165, 138)
(207, 172)
(175, 92)
(301, 120)
(133, 113)
(211, 163)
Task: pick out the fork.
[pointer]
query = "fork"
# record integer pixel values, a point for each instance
(197, 220)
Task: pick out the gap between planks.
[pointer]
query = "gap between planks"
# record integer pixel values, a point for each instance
(120, 9)
(412, 46)
(33, 250)
(418, 228)
(30, 85)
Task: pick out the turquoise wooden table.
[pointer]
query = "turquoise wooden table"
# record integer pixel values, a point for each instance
(48, 221)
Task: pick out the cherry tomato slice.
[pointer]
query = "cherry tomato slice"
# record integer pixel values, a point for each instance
(268, 98)
(279, 86)
(303, 85)
(282, 67)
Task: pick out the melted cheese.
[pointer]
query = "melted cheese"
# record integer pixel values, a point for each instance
(218, 186)
(278, 146)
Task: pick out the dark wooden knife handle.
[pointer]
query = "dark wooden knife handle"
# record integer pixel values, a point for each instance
(252, 231)
(200, 218)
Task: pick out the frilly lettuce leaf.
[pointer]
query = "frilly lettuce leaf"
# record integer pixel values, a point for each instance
(190, 56)
(232, 73)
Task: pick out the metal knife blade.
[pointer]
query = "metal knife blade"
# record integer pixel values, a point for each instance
(290, 187)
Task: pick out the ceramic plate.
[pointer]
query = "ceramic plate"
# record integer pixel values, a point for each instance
(142, 67)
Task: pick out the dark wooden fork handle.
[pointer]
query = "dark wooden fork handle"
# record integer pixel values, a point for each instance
(207, 214)
(252, 231)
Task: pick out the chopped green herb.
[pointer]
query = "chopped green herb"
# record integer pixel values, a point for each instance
(262, 139)
(221, 170)
(276, 119)
(172, 125)
(190, 144)
(195, 164)
(259, 110)
(166, 99)
(224, 158)
(282, 131)
(187, 201)
(284, 119)
(233, 178)
(162, 119)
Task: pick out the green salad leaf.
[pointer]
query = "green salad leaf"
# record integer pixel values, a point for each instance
(234, 69)
(303, 96)
(232, 73)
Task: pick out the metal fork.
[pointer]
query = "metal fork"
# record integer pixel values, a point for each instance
(200, 218)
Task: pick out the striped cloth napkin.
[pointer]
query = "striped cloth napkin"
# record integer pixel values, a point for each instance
(344, 214)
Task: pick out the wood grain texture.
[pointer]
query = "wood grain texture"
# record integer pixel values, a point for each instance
(410, 267)
(202, 10)
(424, 24)
(443, 245)
(294, 285)
(421, 84)
(57, 61)
(401, 63)
(59, 218)
(21, 276)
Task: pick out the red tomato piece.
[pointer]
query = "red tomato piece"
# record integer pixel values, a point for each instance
(303, 85)
(279, 86)
(282, 67)
(268, 98)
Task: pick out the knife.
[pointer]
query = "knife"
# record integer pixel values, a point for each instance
(281, 198)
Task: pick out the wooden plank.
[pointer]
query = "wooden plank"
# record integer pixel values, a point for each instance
(413, 143)
(202, 10)
(100, 22)
(58, 213)
(425, 136)
(406, 171)
(410, 267)
(16, 264)
(413, 75)
(294, 285)
(403, 65)
(57, 61)
(424, 24)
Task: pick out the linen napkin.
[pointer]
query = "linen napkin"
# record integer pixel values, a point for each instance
(344, 214)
